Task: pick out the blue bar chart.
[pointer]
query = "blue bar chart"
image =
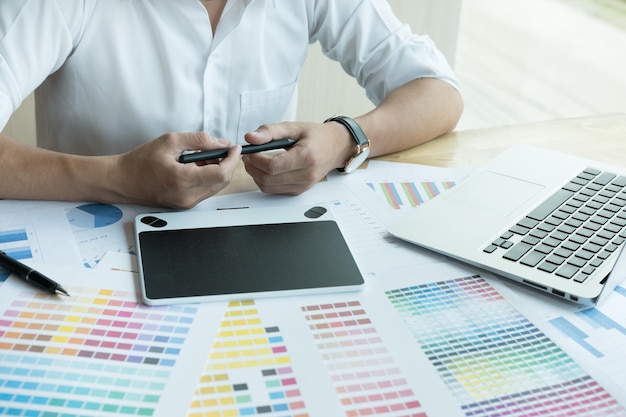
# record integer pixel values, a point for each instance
(17, 242)
(599, 333)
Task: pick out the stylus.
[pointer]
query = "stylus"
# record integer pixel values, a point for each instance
(221, 153)
(28, 274)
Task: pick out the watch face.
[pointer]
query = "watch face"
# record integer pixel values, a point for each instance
(356, 162)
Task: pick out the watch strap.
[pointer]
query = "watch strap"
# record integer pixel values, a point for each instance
(355, 131)
(353, 127)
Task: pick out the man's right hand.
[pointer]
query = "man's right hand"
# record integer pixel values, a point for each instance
(151, 174)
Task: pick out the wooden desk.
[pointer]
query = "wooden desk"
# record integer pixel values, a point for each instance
(602, 138)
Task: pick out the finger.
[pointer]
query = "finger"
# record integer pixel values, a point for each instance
(284, 182)
(232, 159)
(208, 180)
(283, 188)
(277, 164)
(202, 141)
(215, 167)
(267, 132)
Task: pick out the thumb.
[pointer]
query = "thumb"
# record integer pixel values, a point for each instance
(268, 132)
(203, 141)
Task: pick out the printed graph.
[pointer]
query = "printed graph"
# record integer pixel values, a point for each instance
(94, 215)
(249, 370)
(581, 325)
(493, 360)
(600, 332)
(364, 232)
(365, 376)
(18, 242)
(97, 230)
(96, 353)
(401, 195)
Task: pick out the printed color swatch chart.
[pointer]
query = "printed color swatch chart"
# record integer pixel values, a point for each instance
(365, 376)
(96, 353)
(249, 370)
(409, 194)
(493, 359)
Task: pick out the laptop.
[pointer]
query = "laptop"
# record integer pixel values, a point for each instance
(548, 220)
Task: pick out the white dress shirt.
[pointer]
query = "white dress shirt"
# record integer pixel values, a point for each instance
(112, 74)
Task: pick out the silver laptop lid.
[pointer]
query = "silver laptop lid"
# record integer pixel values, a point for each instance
(616, 276)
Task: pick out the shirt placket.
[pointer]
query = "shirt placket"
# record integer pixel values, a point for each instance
(216, 72)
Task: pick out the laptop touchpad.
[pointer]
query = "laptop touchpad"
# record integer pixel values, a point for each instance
(494, 192)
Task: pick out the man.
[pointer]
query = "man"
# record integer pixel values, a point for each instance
(124, 87)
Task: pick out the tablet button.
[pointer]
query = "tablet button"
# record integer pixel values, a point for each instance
(153, 221)
(315, 212)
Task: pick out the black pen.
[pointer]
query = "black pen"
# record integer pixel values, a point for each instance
(221, 153)
(30, 275)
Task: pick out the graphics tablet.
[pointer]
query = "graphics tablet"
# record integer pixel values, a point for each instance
(195, 256)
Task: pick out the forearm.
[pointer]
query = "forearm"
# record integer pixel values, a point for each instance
(32, 173)
(413, 114)
(149, 174)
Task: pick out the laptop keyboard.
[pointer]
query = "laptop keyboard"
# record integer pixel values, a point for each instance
(574, 231)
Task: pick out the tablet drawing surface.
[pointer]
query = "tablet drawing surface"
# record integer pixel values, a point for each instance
(244, 260)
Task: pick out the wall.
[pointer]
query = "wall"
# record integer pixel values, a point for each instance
(22, 123)
(324, 89)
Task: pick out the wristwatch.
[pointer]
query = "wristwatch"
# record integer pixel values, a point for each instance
(362, 143)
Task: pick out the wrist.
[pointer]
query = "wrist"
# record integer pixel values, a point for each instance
(94, 178)
(342, 142)
(359, 146)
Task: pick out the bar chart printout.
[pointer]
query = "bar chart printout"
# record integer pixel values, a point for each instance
(97, 353)
(249, 370)
(600, 333)
(365, 376)
(495, 361)
(401, 195)
(17, 242)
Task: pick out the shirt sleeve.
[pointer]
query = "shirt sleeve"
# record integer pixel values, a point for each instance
(35, 39)
(372, 45)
